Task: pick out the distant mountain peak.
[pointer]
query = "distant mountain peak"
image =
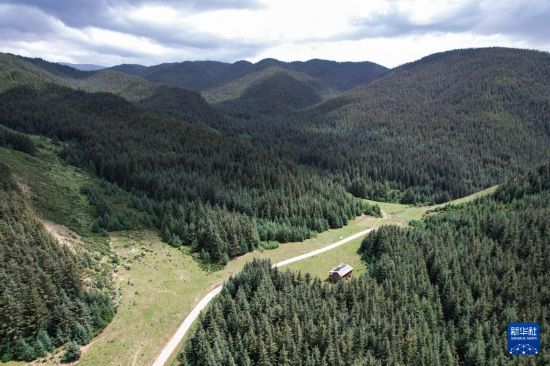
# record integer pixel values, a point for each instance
(84, 67)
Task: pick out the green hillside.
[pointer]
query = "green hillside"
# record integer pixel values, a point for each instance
(129, 87)
(443, 127)
(272, 91)
(185, 105)
(441, 293)
(215, 193)
(240, 86)
(17, 70)
(193, 75)
(14, 72)
(340, 75)
(50, 293)
(173, 102)
(205, 75)
(451, 123)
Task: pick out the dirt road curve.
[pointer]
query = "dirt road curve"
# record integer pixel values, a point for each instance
(194, 314)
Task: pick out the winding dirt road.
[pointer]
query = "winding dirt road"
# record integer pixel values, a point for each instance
(173, 343)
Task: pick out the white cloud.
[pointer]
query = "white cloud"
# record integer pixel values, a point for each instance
(389, 32)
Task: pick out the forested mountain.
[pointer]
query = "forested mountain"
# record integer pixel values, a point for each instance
(237, 87)
(216, 193)
(271, 91)
(193, 75)
(451, 123)
(439, 128)
(17, 70)
(44, 302)
(203, 75)
(185, 105)
(441, 293)
(338, 75)
(14, 72)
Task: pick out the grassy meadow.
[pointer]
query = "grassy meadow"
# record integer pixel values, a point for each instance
(397, 214)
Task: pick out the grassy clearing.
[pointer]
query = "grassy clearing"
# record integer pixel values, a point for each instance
(319, 265)
(405, 213)
(54, 187)
(160, 285)
(396, 214)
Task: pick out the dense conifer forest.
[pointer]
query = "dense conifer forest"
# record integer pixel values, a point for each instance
(439, 293)
(442, 127)
(204, 75)
(44, 302)
(227, 158)
(438, 128)
(217, 194)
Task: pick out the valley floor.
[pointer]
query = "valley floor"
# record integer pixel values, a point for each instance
(395, 214)
(159, 284)
(163, 285)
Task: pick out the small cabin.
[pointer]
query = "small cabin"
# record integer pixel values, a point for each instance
(340, 272)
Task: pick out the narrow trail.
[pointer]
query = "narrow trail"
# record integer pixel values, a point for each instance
(173, 343)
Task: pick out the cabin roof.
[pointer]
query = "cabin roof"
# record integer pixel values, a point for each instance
(342, 269)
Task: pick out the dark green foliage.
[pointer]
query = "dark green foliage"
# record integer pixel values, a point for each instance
(197, 187)
(534, 182)
(280, 94)
(268, 245)
(16, 141)
(118, 210)
(445, 126)
(56, 69)
(72, 353)
(340, 75)
(267, 317)
(486, 262)
(201, 75)
(43, 302)
(453, 123)
(441, 293)
(185, 105)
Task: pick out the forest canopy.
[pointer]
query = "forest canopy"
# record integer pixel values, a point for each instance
(441, 293)
(215, 193)
(43, 300)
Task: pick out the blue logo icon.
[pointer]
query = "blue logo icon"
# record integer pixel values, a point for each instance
(523, 339)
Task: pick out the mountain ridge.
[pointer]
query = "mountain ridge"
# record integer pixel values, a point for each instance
(338, 75)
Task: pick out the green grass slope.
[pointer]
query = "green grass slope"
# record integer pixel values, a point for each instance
(132, 88)
(14, 72)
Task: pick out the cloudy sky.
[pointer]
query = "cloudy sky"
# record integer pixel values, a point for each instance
(390, 32)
